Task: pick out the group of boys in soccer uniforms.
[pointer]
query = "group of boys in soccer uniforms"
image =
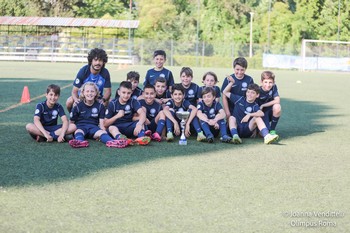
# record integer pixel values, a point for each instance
(139, 115)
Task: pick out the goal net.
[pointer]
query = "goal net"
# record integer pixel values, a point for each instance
(325, 55)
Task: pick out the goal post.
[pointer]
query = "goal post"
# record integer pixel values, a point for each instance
(325, 55)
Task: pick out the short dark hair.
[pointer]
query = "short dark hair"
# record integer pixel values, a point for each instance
(267, 75)
(160, 79)
(126, 84)
(149, 86)
(241, 61)
(54, 88)
(97, 53)
(159, 52)
(254, 87)
(133, 75)
(207, 90)
(187, 70)
(178, 87)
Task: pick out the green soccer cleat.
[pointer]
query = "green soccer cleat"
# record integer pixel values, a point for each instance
(236, 139)
(169, 137)
(201, 137)
(270, 138)
(273, 132)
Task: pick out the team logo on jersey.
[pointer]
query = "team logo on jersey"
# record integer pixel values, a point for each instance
(180, 110)
(190, 92)
(270, 92)
(127, 107)
(71, 114)
(106, 112)
(152, 112)
(248, 110)
(77, 81)
(198, 106)
(244, 86)
(212, 111)
(54, 114)
(168, 103)
(134, 97)
(37, 111)
(94, 112)
(162, 75)
(99, 82)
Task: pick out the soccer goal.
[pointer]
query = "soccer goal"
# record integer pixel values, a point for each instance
(325, 55)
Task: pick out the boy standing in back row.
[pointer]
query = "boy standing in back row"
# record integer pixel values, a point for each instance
(159, 57)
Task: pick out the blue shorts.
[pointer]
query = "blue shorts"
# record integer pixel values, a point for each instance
(127, 128)
(152, 126)
(52, 128)
(89, 130)
(243, 130)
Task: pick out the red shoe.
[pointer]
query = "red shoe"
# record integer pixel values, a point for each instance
(156, 137)
(143, 141)
(78, 144)
(148, 133)
(119, 143)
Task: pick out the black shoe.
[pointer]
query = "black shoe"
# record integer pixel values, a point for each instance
(68, 137)
(41, 139)
(210, 139)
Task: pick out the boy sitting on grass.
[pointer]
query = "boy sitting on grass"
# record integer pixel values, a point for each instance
(119, 116)
(246, 115)
(178, 103)
(45, 127)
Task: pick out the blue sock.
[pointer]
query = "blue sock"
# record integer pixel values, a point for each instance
(79, 136)
(234, 131)
(196, 125)
(264, 132)
(160, 126)
(105, 138)
(169, 125)
(54, 136)
(222, 127)
(274, 122)
(206, 128)
(141, 134)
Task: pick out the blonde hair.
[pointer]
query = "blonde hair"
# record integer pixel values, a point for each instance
(82, 89)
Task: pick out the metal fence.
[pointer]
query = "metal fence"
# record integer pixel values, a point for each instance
(58, 48)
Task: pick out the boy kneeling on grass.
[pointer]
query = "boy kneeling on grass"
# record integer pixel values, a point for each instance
(45, 127)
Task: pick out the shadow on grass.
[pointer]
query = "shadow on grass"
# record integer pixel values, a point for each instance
(25, 162)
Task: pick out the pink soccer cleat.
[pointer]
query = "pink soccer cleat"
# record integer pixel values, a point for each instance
(78, 144)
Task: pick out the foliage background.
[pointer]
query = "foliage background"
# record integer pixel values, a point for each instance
(276, 22)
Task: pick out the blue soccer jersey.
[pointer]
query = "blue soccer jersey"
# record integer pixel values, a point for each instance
(102, 79)
(191, 93)
(166, 95)
(48, 116)
(267, 96)
(209, 111)
(83, 114)
(153, 74)
(185, 105)
(130, 108)
(242, 107)
(152, 110)
(240, 86)
(216, 88)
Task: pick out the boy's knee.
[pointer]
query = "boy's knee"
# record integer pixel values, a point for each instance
(277, 109)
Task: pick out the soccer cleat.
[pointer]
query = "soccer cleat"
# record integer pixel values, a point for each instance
(169, 137)
(78, 144)
(41, 139)
(156, 137)
(226, 139)
(201, 137)
(210, 139)
(118, 143)
(148, 133)
(236, 139)
(270, 138)
(143, 141)
(273, 132)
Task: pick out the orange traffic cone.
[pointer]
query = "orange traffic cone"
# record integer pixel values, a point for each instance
(25, 95)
